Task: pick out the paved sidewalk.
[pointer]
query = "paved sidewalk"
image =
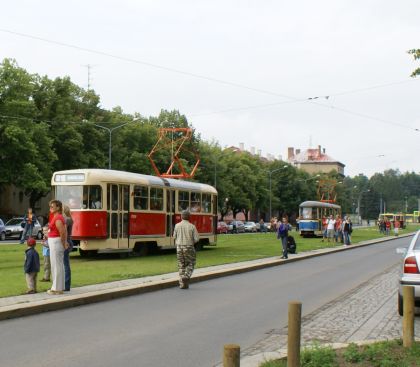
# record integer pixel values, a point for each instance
(366, 313)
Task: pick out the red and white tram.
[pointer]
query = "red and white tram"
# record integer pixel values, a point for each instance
(115, 211)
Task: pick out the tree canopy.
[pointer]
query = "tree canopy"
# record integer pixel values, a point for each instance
(48, 125)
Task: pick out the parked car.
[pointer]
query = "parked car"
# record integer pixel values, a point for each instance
(410, 273)
(222, 227)
(236, 226)
(268, 226)
(2, 231)
(250, 227)
(14, 228)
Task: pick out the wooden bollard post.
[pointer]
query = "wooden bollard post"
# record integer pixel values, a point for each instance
(231, 355)
(293, 334)
(408, 316)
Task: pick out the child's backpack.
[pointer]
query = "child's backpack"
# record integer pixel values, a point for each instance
(291, 245)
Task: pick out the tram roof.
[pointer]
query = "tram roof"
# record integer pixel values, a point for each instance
(114, 176)
(318, 204)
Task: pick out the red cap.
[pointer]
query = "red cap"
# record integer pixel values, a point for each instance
(31, 242)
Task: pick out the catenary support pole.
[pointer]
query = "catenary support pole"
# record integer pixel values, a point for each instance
(293, 337)
(231, 355)
(408, 316)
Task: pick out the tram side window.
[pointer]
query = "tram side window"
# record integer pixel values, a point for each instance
(141, 198)
(206, 203)
(183, 200)
(195, 202)
(156, 198)
(92, 197)
(114, 200)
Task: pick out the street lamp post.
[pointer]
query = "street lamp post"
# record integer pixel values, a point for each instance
(110, 137)
(358, 204)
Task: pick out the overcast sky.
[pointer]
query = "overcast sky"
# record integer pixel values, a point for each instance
(242, 71)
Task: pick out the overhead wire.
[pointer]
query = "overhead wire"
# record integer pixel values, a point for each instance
(152, 65)
(237, 85)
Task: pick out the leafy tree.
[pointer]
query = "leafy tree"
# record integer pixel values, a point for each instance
(416, 55)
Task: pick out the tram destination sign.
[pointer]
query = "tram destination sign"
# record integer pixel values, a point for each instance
(79, 177)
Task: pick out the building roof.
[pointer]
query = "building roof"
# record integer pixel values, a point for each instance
(313, 156)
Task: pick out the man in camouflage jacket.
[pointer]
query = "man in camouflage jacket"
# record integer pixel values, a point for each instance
(186, 235)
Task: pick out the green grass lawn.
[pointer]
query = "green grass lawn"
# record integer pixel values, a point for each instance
(382, 354)
(106, 268)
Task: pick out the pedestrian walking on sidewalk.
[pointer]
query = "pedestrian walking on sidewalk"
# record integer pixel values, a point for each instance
(185, 235)
(31, 266)
(57, 240)
(282, 234)
(46, 255)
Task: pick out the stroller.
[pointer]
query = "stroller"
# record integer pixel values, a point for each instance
(291, 245)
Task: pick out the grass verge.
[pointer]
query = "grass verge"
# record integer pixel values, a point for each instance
(382, 354)
(107, 268)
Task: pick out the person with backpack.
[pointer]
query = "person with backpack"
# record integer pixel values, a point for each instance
(282, 234)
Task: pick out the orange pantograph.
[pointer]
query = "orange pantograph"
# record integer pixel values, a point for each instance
(326, 191)
(173, 139)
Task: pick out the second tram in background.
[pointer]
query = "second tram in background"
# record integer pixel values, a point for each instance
(115, 211)
(311, 214)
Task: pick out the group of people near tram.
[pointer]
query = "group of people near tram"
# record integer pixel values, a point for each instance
(337, 229)
(385, 226)
(56, 247)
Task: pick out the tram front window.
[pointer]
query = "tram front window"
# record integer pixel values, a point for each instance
(80, 197)
(306, 213)
(70, 195)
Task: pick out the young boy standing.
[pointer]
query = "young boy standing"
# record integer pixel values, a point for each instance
(46, 255)
(31, 266)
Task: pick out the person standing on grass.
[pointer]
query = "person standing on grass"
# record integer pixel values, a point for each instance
(29, 219)
(387, 226)
(185, 235)
(57, 241)
(330, 228)
(31, 266)
(282, 234)
(69, 228)
(338, 234)
(46, 255)
(324, 223)
(347, 229)
(397, 226)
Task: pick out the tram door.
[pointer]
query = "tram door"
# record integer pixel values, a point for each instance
(118, 203)
(170, 215)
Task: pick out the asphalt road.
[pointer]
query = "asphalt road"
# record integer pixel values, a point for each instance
(173, 327)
